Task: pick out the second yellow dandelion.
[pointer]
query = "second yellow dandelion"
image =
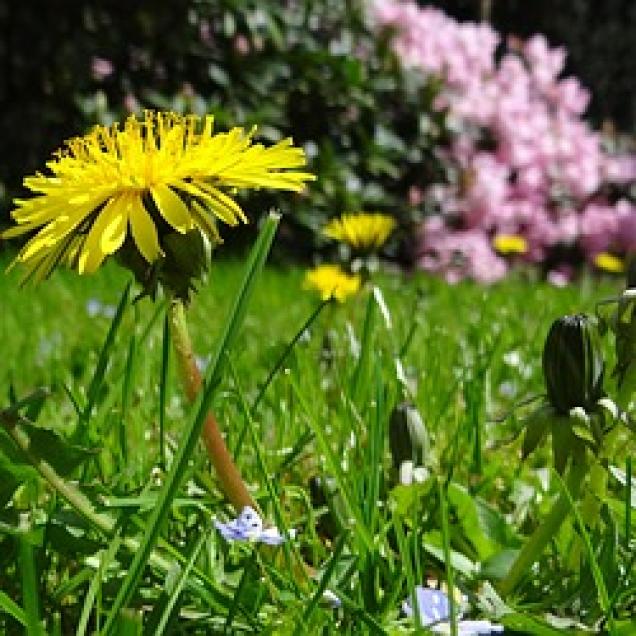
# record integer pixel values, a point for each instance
(363, 231)
(332, 281)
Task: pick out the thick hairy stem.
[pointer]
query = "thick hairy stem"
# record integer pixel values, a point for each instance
(534, 546)
(228, 474)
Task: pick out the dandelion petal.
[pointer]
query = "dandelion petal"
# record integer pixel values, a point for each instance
(106, 235)
(143, 230)
(171, 207)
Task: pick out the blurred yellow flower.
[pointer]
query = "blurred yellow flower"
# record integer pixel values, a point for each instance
(510, 244)
(609, 263)
(166, 172)
(332, 280)
(362, 231)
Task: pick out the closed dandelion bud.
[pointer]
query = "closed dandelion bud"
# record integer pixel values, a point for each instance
(408, 438)
(573, 364)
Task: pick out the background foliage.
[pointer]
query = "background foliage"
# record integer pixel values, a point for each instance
(314, 70)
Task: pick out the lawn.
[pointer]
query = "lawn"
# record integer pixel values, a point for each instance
(314, 449)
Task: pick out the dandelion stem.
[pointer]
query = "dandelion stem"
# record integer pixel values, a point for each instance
(534, 546)
(228, 474)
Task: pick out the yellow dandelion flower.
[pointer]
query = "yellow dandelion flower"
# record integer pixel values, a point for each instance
(609, 263)
(332, 280)
(362, 230)
(166, 172)
(510, 244)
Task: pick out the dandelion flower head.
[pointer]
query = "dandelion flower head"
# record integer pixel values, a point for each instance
(510, 244)
(163, 173)
(361, 230)
(332, 281)
(609, 263)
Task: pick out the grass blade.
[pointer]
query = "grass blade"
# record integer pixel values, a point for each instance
(601, 588)
(163, 391)
(95, 584)
(324, 582)
(178, 586)
(191, 435)
(10, 607)
(126, 392)
(628, 501)
(335, 468)
(375, 452)
(362, 369)
(30, 595)
(102, 362)
(443, 508)
(277, 367)
(405, 557)
(288, 349)
(263, 468)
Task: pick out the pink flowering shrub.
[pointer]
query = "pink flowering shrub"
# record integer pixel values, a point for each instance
(522, 161)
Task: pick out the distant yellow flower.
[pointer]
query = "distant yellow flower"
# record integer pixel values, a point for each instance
(332, 280)
(165, 171)
(609, 263)
(362, 230)
(510, 244)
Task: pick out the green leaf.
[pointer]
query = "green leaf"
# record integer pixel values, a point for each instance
(498, 565)
(467, 513)
(529, 625)
(562, 442)
(405, 497)
(50, 446)
(624, 628)
(13, 471)
(583, 433)
(432, 543)
(537, 425)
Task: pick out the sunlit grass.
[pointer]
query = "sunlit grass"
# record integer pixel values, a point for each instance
(314, 450)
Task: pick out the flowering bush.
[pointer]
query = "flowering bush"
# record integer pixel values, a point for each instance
(520, 159)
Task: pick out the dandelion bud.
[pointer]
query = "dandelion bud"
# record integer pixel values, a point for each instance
(573, 364)
(408, 438)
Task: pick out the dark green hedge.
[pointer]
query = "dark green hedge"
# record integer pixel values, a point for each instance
(310, 69)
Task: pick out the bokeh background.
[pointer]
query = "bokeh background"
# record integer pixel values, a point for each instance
(434, 115)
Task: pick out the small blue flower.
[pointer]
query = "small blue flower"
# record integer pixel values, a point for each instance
(95, 307)
(248, 526)
(331, 599)
(432, 604)
(434, 609)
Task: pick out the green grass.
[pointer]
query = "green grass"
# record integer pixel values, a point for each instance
(314, 448)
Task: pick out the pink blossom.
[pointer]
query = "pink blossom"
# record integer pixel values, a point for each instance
(599, 227)
(626, 230)
(543, 173)
(459, 254)
(101, 68)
